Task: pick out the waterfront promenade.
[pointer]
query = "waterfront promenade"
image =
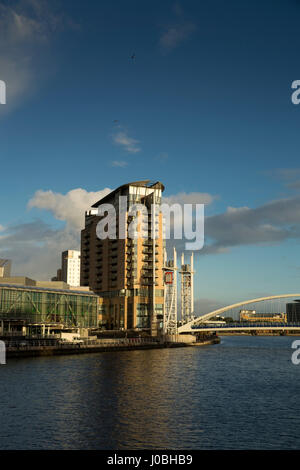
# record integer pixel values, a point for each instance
(48, 348)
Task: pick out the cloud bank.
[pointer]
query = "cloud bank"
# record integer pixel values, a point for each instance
(68, 207)
(35, 247)
(269, 224)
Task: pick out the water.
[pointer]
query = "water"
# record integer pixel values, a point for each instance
(241, 394)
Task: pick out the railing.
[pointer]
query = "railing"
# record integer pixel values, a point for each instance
(246, 325)
(20, 334)
(12, 333)
(24, 345)
(32, 344)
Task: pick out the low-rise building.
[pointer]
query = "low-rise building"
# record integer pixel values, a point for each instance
(253, 316)
(43, 310)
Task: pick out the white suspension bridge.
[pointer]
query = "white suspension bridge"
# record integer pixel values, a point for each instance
(269, 305)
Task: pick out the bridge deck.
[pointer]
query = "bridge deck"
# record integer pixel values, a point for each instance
(246, 326)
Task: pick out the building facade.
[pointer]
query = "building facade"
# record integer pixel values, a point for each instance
(70, 267)
(253, 316)
(38, 308)
(126, 269)
(293, 312)
(5, 267)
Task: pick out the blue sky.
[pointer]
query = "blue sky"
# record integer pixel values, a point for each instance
(205, 108)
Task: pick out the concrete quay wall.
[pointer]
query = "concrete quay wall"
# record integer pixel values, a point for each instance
(65, 349)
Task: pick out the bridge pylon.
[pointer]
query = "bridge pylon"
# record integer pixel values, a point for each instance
(170, 293)
(187, 289)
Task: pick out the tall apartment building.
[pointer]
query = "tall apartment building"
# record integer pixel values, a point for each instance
(70, 267)
(127, 272)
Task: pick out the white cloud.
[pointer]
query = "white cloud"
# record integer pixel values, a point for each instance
(176, 34)
(289, 176)
(36, 247)
(119, 163)
(163, 156)
(68, 207)
(235, 210)
(179, 217)
(18, 77)
(268, 224)
(17, 26)
(128, 143)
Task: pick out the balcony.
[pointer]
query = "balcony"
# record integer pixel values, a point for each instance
(148, 282)
(148, 274)
(150, 267)
(149, 243)
(149, 251)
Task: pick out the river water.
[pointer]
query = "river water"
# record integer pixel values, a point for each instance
(240, 394)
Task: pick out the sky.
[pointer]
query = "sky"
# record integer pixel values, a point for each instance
(204, 106)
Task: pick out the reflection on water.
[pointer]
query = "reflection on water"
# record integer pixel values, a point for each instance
(242, 393)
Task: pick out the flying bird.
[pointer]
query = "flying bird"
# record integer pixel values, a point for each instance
(133, 57)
